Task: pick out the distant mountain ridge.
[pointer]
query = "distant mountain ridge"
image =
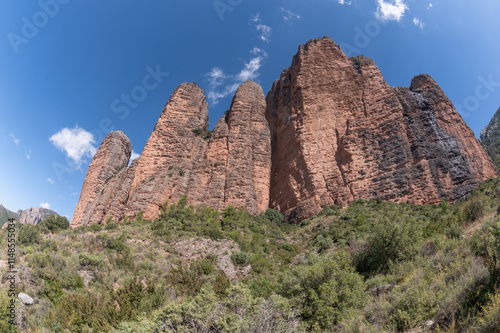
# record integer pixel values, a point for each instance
(33, 215)
(6, 214)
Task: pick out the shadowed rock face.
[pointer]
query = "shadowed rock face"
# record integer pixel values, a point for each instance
(340, 133)
(490, 138)
(331, 131)
(112, 157)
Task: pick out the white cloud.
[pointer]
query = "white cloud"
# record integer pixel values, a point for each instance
(134, 155)
(342, 2)
(16, 140)
(76, 142)
(217, 77)
(45, 205)
(249, 72)
(28, 156)
(288, 15)
(393, 10)
(50, 180)
(256, 50)
(430, 6)
(255, 18)
(418, 23)
(265, 32)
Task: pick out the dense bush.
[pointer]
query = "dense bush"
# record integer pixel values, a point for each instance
(28, 234)
(54, 223)
(325, 289)
(392, 241)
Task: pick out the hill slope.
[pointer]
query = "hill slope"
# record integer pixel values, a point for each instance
(490, 138)
(6, 214)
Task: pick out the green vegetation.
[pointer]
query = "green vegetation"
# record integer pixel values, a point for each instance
(490, 140)
(205, 135)
(371, 267)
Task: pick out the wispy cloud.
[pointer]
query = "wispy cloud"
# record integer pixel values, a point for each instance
(76, 142)
(343, 2)
(418, 23)
(45, 205)
(265, 32)
(288, 15)
(216, 77)
(430, 6)
(16, 140)
(50, 180)
(223, 85)
(394, 10)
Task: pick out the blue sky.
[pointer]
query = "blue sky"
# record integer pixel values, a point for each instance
(71, 71)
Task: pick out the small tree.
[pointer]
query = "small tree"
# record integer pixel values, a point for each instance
(54, 223)
(28, 234)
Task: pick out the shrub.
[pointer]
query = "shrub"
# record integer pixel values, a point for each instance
(88, 309)
(489, 319)
(205, 266)
(325, 289)
(28, 234)
(240, 258)
(94, 227)
(54, 223)
(185, 279)
(473, 210)
(273, 216)
(90, 260)
(391, 242)
(454, 231)
(221, 284)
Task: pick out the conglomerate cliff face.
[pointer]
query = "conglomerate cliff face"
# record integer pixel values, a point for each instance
(331, 131)
(340, 133)
(231, 167)
(110, 159)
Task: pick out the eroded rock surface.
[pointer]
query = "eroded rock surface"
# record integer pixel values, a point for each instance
(230, 167)
(340, 133)
(330, 131)
(112, 157)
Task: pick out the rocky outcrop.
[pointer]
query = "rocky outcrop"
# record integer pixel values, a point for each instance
(229, 166)
(330, 131)
(112, 157)
(340, 133)
(490, 138)
(34, 215)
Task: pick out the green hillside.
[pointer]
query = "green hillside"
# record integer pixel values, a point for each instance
(374, 266)
(490, 139)
(5, 215)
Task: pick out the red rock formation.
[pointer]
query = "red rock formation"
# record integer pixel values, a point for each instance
(340, 133)
(232, 167)
(112, 156)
